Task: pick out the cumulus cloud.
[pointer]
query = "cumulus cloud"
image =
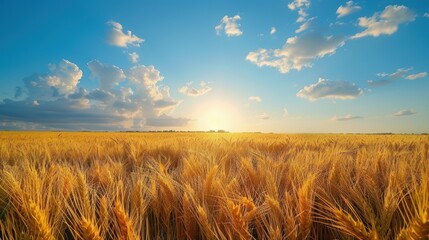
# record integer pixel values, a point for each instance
(273, 30)
(134, 57)
(193, 92)
(416, 76)
(297, 53)
(108, 75)
(400, 73)
(230, 26)
(255, 99)
(345, 118)
(301, 6)
(118, 38)
(264, 116)
(325, 89)
(349, 8)
(406, 112)
(62, 79)
(54, 100)
(386, 22)
(146, 79)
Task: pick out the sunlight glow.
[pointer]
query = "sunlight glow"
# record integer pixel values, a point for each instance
(218, 116)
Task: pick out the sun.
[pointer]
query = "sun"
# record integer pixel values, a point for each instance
(215, 119)
(218, 116)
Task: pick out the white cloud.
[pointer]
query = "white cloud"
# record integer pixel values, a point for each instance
(297, 53)
(193, 92)
(255, 99)
(345, 118)
(108, 75)
(134, 57)
(416, 76)
(264, 116)
(273, 30)
(230, 25)
(426, 15)
(349, 8)
(48, 105)
(62, 79)
(406, 112)
(325, 89)
(301, 6)
(118, 38)
(385, 23)
(157, 99)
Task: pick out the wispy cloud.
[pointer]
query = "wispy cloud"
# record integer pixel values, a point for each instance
(285, 112)
(426, 15)
(406, 112)
(416, 76)
(345, 118)
(273, 30)
(118, 38)
(305, 25)
(297, 53)
(386, 22)
(133, 57)
(230, 25)
(193, 92)
(264, 116)
(255, 99)
(400, 73)
(326, 89)
(349, 8)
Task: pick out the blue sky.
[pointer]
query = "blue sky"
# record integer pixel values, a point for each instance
(271, 66)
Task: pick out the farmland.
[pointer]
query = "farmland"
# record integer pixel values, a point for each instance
(81, 185)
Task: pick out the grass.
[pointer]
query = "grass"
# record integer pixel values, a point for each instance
(213, 186)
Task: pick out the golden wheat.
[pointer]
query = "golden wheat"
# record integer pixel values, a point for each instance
(213, 186)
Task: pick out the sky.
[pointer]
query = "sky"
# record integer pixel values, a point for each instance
(287, 66)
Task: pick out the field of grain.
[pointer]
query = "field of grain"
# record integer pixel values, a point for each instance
(213, 186)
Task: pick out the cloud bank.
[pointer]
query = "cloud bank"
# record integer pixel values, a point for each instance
(124, 99)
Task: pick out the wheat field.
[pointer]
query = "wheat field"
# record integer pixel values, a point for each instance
(213, 186)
